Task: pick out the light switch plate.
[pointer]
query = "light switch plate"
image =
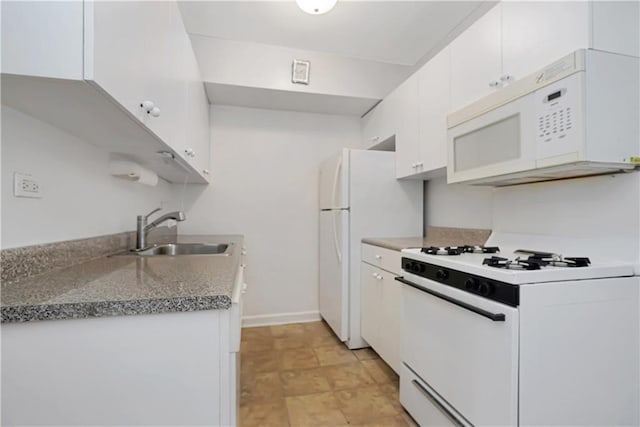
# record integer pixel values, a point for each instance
(25, 185)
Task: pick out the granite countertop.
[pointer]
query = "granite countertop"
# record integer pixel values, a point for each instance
(435, 236)
(124, 285)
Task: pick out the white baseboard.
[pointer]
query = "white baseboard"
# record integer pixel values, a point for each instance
(280, 318)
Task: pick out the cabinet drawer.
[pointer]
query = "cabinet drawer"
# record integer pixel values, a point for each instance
(386, 259)
(418, 399)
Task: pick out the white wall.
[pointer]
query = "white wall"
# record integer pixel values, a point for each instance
(265, 186)
(80, 198)
(457, 205)
(603, 209)
(259, 65)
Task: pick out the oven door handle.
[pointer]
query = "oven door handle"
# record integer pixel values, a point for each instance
(446, 412)
(496, 317)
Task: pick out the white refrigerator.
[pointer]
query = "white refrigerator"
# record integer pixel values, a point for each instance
(359, 197)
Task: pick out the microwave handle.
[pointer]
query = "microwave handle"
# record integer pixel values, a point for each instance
(496, 317)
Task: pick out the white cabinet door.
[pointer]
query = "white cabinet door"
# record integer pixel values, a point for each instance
(370, 310)
(616, 27)
(435, 103)
(404, 104)
(124, 46)
(197, 130)
(390, 330)
(373, 126)
(42, 39)
(535, 34)
(476, 61)
(133, 52)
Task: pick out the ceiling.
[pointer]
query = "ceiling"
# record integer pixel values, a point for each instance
(397, 32)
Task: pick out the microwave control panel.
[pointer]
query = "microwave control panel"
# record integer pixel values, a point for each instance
(557, 110)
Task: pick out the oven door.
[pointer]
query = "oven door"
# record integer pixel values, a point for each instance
(464, 348)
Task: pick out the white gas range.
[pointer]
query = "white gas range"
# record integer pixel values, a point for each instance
(509, 337)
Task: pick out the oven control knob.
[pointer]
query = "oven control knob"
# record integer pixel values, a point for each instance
(485, 289)
(471, 284)
(442, 274)
(415, 267)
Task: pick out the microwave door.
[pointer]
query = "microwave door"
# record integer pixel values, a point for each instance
(494, 143)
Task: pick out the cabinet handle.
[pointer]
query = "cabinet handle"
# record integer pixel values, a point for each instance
(243, 252)
(147, 105)
(189, 152)
(378, 257)
(375, 138)
(150, 108)
(205, 171)
(494, 83)
(506, 78)
(421, 164)
(379, 277)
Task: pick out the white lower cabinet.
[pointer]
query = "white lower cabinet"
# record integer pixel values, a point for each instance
(381, 304)
(159, 369)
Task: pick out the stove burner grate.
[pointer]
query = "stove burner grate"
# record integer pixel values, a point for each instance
(559, 261)
(457, 250)
(516, 264)
(536, 261)
(447, 250)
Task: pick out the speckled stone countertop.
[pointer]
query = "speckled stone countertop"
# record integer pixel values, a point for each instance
(124, 285)
(435, 236)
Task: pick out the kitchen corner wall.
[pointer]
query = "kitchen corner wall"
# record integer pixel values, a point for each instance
(598, 210)
(457, 205)
(80, 197)
(265, 186)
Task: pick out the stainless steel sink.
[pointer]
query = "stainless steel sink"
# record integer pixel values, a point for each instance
(173, 249)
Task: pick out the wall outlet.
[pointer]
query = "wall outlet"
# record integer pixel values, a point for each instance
(25, 185)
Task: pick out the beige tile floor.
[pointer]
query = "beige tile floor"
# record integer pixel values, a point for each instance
(302, 375)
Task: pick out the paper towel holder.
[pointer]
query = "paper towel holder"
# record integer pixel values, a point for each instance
(132, 171)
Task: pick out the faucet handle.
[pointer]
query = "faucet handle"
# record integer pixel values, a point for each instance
(151, 213)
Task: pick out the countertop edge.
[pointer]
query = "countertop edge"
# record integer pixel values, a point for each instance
(29, 313)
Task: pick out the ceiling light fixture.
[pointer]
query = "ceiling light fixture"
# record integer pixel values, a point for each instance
(316, 7)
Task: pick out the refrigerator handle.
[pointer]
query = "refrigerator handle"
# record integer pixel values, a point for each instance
(335, 236)
(336, 175)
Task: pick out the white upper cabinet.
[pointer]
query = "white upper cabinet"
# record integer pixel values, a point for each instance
(476, 60)
(197, 145)
(516, 38)
(616, 26)
(404, 105)
(435, 103)
(421, 150)
(380, 124)
(135, 53)
(130, 53)
(34, 46)
(534, 34)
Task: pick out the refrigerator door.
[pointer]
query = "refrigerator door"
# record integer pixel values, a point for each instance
(333, 184)
(334, 271)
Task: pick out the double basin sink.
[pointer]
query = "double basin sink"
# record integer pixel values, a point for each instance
(174, 249)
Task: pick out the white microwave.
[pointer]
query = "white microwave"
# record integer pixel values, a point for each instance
(577, 117)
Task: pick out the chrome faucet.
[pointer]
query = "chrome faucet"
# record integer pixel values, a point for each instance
(142, 228)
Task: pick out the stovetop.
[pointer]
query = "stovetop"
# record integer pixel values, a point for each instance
(512, 265)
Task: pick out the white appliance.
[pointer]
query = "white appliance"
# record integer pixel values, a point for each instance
(359, 197)
(576, 117)
(494, 343)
